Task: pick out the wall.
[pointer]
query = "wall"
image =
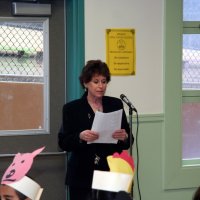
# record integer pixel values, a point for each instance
(147, 21)
(145, 89)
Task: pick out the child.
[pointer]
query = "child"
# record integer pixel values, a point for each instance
(22, 190)
(15, 185)
(115, 184)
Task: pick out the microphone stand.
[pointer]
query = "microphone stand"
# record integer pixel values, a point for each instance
(130, 126)
(131, 109)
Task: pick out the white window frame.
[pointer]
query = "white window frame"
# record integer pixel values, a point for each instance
(46, 119)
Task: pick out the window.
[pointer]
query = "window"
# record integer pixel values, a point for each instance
(191, 81)
(178, 172)
(24, 78)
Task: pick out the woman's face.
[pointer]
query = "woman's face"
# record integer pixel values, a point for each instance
(8, 193)
(97, 86)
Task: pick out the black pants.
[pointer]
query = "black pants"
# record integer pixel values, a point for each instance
(89, 194)
(76, 193)
(102, 195)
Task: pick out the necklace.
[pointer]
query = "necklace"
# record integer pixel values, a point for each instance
(96, 105)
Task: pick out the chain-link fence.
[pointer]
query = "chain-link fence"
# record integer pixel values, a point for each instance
(191, 61)
(21, 51)
(191, 69)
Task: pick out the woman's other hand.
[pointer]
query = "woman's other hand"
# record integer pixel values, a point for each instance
(120, 134)
(88, 135)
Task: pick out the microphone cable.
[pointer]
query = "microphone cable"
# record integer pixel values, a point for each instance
(132, 108)
(137, 153)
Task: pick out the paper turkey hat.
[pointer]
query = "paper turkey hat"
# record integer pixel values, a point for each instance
(120, 176)
(15, 175)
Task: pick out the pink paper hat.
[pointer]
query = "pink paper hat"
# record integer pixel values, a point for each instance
(15, 175)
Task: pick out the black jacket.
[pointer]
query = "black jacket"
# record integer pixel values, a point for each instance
(77, 117)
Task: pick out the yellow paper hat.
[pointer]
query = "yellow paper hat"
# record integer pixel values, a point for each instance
(120, 176)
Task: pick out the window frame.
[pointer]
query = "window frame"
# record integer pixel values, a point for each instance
(46, 99)
(176, 174)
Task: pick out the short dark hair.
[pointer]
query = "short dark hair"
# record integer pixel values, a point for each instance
(91, 68)
(19, 194)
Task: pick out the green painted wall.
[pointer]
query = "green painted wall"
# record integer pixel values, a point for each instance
(151, 162)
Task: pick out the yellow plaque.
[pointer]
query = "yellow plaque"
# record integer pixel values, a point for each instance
(120, 54)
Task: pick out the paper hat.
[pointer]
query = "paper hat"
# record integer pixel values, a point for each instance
(15, 175)
(28, 187)
(120, 176)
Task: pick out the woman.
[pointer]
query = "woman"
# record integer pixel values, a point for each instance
(77, 119)
(9, 193)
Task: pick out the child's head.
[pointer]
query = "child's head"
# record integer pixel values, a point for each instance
(15, 182)
(7, 192)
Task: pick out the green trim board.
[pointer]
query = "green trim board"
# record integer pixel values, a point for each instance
(190, 96)
(191, 93)
(191, 26)
(191, 162)
(149, 118)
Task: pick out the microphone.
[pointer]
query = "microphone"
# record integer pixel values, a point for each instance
(125, 99)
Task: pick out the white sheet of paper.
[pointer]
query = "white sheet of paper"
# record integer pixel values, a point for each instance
(111, 181)
(105, 124)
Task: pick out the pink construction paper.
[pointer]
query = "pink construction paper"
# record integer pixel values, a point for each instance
(20, 166)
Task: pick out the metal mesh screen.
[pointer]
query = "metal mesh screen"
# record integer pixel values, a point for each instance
(21, 52)
(191, 62)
